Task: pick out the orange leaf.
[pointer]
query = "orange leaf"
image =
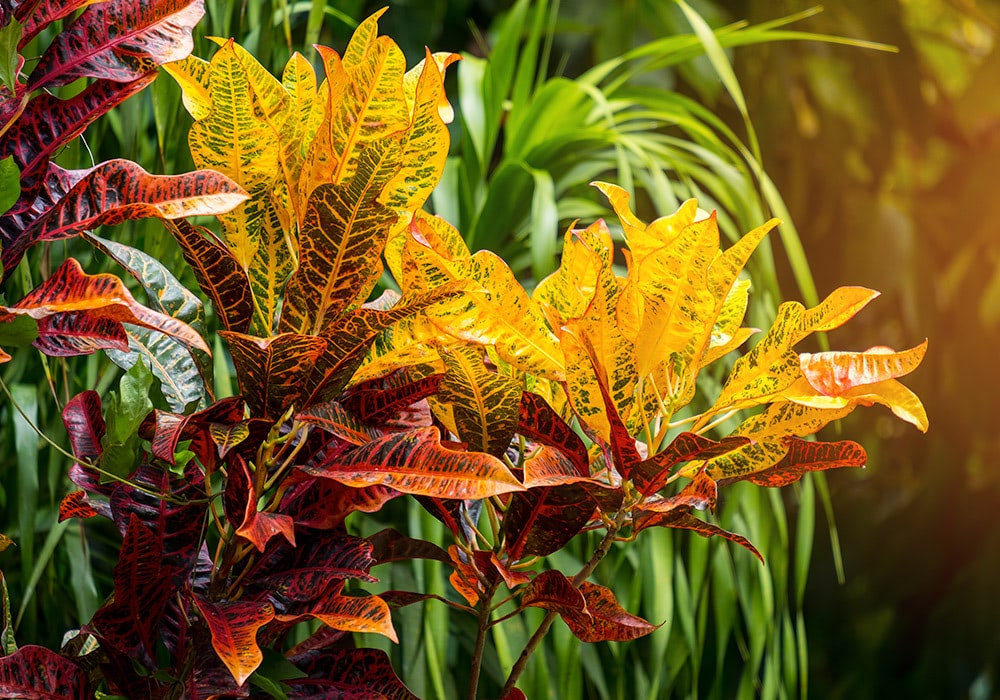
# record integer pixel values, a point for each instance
(234, 633)
(604, 619)
(834, 373)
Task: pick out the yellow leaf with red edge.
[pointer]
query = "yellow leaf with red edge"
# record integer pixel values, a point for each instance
(233, 627)
(834, 373)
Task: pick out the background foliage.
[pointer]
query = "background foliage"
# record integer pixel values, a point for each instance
(879, 157)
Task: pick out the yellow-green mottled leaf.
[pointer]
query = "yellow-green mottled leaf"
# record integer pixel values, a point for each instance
(725, 269)
(442, 60)
(191, 74)
(567, 292)
(836, 310)
(484, 404)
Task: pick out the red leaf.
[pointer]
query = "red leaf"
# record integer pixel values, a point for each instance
(129, 622)
(272, 371)
(218, 273)
(40, 674)
(84, 424)
(389, 545)
(515, 694)
(682, 518)
(604, 619)
(74, 505)
(164, 430)
(357, 673)
(334, 418)
(808, 456)
(240, 499)
(417, 463)
(71, 334)
(119, 41)
(651, 474)
(234, 633)
(465, 578)
(323, 504)
(71, 291)
(380, 399)
(553, 591)
(538, 421)
(49, 123)
(542, 520)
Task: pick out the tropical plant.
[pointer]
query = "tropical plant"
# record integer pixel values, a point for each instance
(462, 391)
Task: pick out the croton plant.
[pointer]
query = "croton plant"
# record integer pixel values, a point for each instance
(377, 358)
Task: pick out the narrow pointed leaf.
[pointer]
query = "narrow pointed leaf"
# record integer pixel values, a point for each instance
(240, 500)
(684, 520)
(834, 373)
(379, 400)
(417, 463)
(651, 474)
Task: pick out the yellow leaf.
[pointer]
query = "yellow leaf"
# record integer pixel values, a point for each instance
(836, 310)
(5, 542)
(566, 293)
(900, 400)
(442, 60)
(191, 74)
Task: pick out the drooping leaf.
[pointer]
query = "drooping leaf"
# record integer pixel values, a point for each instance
(119, 190)
(129, 622)
(367, 613)
(71, 334)
(551, 590)
(233, 626)
(103, 296)
(684, 520)
(119, 41)
(390, 545)
(604, 619)
(542, 520)
(336, 419)
(182, 379)
(48, 123)
(417, 463)
(39, 673)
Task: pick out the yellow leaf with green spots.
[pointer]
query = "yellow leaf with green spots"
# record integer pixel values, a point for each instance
(566, 293)
(191, 74)
(484, 404)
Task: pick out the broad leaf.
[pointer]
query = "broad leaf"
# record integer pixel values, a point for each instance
(538, 421)
(807, 456)
(41, 674)
(835, 373)
(272, 371)
(542, 520)
(348, 673)
(417, 463)
(233, 626)
(551, 590)
(651, 474)
(604, 619)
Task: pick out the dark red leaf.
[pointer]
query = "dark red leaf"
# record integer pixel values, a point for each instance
(323, 504)
(129, 622)
(84, 424)
(71, 334)
(622, 443)
(515, 694)
(361, 671)
(538, 421)
(218, 272)
(119, 41)
(164, 430)
(240, 500)
(650, 475)
(74, 505)
(551, 590)
(808, 456)
(336, 419)
(380, 399)
(40, 674)
(35, 15)
(605, 620)
(49, 123)
(683, 519)
(390, 545)
(542, 520)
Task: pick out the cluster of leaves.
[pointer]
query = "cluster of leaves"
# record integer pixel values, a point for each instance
(518, 421)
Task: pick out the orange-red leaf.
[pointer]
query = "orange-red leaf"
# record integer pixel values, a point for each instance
(272, 372)
(604, 619)
(834, 373)
(807, 456)
(417, 463)
(233, 627)
(74, 505)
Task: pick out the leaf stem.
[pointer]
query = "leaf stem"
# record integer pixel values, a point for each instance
(602, 550)
(484, 609)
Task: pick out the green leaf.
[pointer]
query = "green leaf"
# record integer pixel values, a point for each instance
(10, 36)
(10, 183)
(126, 410)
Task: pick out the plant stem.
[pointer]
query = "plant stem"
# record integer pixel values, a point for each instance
(484, 625)
(602, 550)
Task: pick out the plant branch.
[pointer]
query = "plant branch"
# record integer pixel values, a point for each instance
(484, 609)
(602, 550)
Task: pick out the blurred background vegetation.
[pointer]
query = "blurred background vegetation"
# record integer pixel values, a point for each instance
(885, 162)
